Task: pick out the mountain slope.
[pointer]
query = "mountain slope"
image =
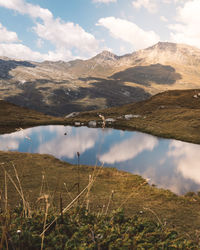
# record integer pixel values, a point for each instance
(106, 80)
(13, 117)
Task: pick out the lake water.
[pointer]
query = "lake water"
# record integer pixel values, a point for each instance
(169, 164)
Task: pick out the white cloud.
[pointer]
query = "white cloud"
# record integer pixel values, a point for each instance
(12, 4)
(7, 36)
(23, 7)
(40, 43)
(126, 150)
(188, 20)
(104, 1)
(164, 19)
(129, 32)
(65, 36)
(150, 5)
(20, 51)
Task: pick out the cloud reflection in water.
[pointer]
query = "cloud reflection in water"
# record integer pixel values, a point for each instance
(69, 145)
(12, 141)
(187, 159)
(129, 148)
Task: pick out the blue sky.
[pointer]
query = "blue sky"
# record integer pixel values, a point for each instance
(68, 29)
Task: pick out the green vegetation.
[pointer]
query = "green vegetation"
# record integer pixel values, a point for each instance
(80, 229)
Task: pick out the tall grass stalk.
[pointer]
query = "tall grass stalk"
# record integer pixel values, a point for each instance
(69, 194)
(92, 178)
(131, 194)
(42, 185)
(4, 237)
(109, 201)
(6, 193)
(78, 181)
(68, 206)
(25, 204)
(61, 207)
(88, 194)
(47, 205)
(154, 213)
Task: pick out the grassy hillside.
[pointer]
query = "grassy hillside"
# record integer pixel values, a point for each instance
(171, 114)
(13, 117)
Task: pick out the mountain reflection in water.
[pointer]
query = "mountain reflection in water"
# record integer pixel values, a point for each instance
(169, 164)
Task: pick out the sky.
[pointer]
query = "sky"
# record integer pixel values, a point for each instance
(39, 30)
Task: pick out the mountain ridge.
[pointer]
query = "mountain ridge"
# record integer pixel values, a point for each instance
(105, 80)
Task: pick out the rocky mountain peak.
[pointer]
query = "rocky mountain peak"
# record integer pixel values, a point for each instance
(106, 55)
(164, 46)
(173, 48)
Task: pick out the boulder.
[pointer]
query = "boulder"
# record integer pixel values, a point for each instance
(92, 123)
(77, 124)
(129, 116)
(110, 120)
(71, 115)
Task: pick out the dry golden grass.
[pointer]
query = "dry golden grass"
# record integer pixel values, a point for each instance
(111, 189)
(13, 117)
(171, 114)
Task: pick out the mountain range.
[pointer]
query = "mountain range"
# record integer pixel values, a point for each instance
(106, 80)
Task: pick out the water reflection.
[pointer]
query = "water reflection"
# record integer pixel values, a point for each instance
(169, 164)
(12, 141)
(129, 149)
(69, 145)
(186, 158)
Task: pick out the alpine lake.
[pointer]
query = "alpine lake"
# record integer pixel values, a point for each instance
(166, 163)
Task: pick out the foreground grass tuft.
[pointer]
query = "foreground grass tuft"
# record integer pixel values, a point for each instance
(80, 229)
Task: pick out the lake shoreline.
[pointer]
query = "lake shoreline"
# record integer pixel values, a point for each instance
(6, 129)
(135, 127)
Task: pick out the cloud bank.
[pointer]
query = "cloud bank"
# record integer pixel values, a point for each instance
(65, 36)
(129, 32)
